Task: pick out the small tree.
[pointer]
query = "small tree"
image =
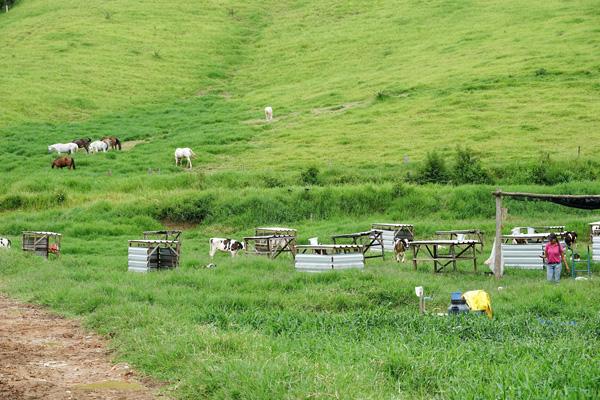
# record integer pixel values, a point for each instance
(433, 170)
(468, 168)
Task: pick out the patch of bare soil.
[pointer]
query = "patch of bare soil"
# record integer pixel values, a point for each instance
(44, 356)
(130, 144)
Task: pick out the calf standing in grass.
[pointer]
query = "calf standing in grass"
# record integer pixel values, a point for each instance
(400, 247)
(5, 243)
(226, 245)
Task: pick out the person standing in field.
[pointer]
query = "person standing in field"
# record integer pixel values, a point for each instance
(554, 254)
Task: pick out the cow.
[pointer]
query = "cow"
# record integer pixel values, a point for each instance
(5, 243)
(269, 113)
(400, 248)
(227, 245)
(570, 239)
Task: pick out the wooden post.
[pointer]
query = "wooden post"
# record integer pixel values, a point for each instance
(422, 303)
(498, 242)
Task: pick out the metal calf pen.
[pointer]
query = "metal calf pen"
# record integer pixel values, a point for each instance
(152, 255)
(392, 232)
(42, 243)
(271, 242)
(327, 257)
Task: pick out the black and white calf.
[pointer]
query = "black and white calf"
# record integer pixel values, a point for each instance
(570, 239)
(5, 243)
(227, 245)
(400, 247)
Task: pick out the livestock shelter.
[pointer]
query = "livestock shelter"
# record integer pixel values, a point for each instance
(371, 241)
(153, 254)
(328, 257)
(595, 240)
(271, 242)
(586, 202)
(41, 243)
(392, 232)
(525, 251)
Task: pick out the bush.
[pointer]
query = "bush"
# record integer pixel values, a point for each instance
(310, 176)
(434, 170)
(468, 168)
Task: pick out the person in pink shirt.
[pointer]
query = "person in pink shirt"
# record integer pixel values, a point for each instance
(554, 254)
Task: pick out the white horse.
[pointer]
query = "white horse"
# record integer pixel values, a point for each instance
(97, 146)
(187, 153)
(63, 148)
(269, 113)
(5, 243)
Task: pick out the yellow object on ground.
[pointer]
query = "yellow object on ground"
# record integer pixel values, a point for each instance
(479, 300)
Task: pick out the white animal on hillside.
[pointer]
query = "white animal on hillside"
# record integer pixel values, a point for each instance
(185, 152)
(63, 148)
(227, 245)
(400, 247)
(98, 145)
(269, 113)
(5, 243)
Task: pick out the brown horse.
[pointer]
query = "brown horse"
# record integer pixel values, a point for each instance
(63, 162)
(83, 143)
(112, 141)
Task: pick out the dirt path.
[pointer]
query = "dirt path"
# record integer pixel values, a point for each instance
(43, 356)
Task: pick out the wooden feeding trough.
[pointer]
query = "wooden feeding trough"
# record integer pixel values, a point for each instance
(463, 234)
(153, 254)
(271, 242)
(327, 257)
(393, 232)
(42, 243)
(371, 241)
(445, 252)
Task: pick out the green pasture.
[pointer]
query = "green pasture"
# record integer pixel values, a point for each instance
(361, 92)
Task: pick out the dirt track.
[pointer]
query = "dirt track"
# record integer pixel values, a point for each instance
(43, 356)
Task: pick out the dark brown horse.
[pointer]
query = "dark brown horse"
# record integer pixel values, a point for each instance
(83, 143)
(112, 141)
(63, 162)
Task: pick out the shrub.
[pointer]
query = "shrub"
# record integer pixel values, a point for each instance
(310, 176)
(468, 168)
(434, 170)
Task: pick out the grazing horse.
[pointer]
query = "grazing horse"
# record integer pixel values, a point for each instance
(226, 245)
(83, 143)
(5, 243)
(63, 162)
(63, 148)
(97, 146)
(400, 247)
(112, 141)
(269, 113)
(181, 153)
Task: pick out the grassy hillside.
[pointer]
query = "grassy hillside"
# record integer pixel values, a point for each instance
(361, 91)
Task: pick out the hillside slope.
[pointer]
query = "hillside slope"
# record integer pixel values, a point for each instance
(349, 82)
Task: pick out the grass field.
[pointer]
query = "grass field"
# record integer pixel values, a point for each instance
(361, 92)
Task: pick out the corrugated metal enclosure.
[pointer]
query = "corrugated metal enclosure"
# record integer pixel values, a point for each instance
(391, 232)
(525, 256)
(595, 239)
(321, 262)
(152, 255)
